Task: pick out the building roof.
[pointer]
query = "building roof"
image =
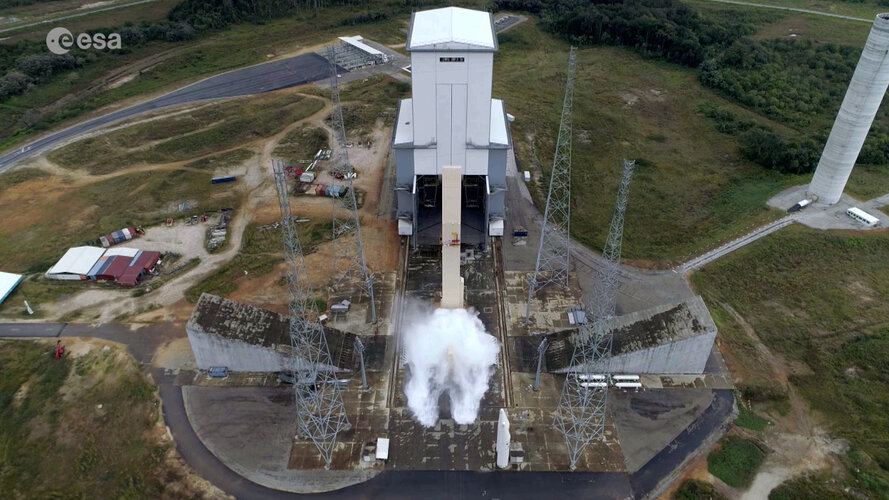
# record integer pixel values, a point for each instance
(404, 130)
(8, 282)
(357, 42)
(499, 134)
(451, 28)
(77, 260)
(122, 251)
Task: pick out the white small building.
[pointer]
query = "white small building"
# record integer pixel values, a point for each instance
(76, 263)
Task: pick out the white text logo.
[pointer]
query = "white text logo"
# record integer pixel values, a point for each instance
(59, 41)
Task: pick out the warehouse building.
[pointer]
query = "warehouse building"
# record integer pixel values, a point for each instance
(8, 282)
(451, 119)
(124, 266)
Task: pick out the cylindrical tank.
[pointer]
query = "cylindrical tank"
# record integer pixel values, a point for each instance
(863, 97)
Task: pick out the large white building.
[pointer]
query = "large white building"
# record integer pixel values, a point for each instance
(451, 119)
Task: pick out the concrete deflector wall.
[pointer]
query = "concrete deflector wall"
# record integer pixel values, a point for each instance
(863, 98)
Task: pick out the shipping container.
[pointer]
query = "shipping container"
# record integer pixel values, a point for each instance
(218, 180)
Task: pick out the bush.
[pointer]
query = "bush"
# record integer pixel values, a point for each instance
(760, 391)
(736, 462)
(697, 490)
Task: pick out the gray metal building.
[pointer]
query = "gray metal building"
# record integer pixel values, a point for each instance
(451, 119)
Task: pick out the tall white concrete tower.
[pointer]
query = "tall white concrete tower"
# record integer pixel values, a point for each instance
(451, 119)
(863, 98)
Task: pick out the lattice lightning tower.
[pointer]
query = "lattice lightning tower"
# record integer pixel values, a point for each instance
(321, 414)
(349, 264)
(580, 415)
(553, 253)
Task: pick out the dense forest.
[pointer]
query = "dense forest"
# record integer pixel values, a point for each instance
(789, 80)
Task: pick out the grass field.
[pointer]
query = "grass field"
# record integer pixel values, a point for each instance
(260, 252)
(79, 428)
(366, 102)
(819, 300)
(203, 131)
(691, 189)
(697, 490)
(301, 143)
(58, 216)
(736, 461)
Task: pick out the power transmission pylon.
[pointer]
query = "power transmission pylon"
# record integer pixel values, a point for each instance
(320, 411)
(348, 260)
(580, 415)
(553, 253)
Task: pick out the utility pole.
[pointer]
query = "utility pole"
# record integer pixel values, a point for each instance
(541, 351)
(580, 415)
(320, 411)
(359, 348)
(349, 264)
(553, 254)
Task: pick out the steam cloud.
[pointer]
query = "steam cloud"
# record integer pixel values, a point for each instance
(446, 350)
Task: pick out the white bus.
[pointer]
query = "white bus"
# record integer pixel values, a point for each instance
(862, 217)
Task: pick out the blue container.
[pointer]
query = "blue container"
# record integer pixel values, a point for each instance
(227, 178)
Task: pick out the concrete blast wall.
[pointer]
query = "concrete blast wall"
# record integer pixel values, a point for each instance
(863, 98)
(682, 356)
(212, 350)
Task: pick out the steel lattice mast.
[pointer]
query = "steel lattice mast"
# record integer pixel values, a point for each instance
(553, 254)
(321, 414)
(580, 415)
(349, 264)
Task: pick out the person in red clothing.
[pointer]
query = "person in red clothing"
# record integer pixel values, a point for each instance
(59, 350)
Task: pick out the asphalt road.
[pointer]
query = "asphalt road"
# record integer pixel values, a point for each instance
(256, 79)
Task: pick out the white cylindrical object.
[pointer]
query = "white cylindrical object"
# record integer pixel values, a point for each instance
(863, 98)
(503, 439)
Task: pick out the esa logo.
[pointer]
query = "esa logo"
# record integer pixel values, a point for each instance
(59, 41)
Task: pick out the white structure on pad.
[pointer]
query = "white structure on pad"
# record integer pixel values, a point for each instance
(451, 119)
(76, 263)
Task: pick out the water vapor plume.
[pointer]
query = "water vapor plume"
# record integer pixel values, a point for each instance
(446, 350)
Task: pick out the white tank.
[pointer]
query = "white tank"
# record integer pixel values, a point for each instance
(856, 115)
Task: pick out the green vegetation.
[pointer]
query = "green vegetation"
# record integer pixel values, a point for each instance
(697, 490)
(74, 427)
(692, 189)
(302, 143)
(260, 252)
(19, 176)
(749, 420)
(367, 101)
(736, 462)
(79, 215)
(808, 487)
(818, 299)
(204, 131)
(222, 160)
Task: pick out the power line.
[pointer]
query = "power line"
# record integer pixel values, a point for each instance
(553, 255)
(580, 415)
(321, 414)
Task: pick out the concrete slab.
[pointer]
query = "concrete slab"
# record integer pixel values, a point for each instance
(648, 421)
(250, 430)
(822, 216)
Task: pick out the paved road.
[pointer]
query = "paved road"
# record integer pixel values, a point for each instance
(794, 9)
(256, 79)
(736, 244)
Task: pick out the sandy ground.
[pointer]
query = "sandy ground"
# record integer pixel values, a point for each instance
(259, 204)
